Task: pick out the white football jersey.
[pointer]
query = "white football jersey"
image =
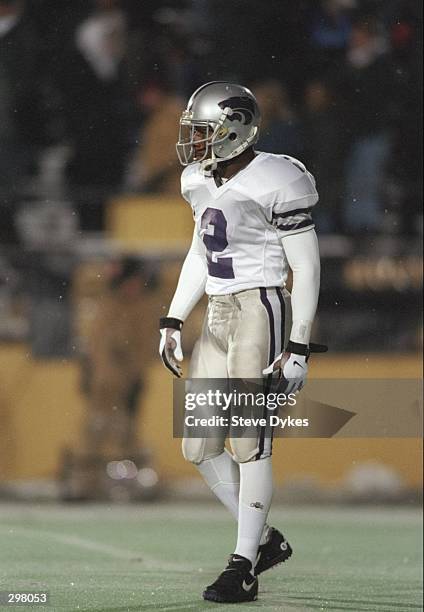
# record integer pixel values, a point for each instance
(241, 222)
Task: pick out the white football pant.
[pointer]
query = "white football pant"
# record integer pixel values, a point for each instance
(242, 334)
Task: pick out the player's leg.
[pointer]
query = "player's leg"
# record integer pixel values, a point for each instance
(258, 340)
(275, 549)
(209, 360)
(216, 465)
(252, 346)
(248, 354)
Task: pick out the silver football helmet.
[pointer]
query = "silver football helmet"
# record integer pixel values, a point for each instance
(221, 121)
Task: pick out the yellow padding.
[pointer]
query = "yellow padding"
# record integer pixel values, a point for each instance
(148, 222)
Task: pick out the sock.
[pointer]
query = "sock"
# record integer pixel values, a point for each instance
(265, 534)
(222, 475)
(254, 503)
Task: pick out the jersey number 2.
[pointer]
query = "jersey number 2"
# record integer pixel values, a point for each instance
(214, 222)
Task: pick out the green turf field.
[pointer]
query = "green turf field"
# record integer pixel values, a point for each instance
(159, 557)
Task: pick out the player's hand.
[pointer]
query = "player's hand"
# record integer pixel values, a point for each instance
(292, 365)
(170, 344)
(294, 369)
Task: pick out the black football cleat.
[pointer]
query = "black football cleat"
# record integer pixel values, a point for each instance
(276, 550)
(235, 584)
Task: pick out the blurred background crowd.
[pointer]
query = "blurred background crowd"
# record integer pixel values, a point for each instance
(90, 96)
(94, 90)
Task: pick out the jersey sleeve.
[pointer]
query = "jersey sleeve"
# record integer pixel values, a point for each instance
(289, 206)
(292, 208)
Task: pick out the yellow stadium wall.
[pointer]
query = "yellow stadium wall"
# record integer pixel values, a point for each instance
(150, 223)
(41, 410)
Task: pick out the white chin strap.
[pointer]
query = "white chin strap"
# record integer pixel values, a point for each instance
(208, 166)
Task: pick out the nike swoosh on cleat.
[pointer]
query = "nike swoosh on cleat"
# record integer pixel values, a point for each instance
(247, 587)
(297, 363)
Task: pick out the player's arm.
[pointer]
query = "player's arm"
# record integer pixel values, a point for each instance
(302, 254)
(190, 288)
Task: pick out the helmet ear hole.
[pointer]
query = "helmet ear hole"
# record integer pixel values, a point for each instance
(232, 136)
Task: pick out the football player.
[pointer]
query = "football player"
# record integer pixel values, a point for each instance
(253, 221)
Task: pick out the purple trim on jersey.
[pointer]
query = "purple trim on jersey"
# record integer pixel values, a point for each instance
(292, 213)
(293, 226)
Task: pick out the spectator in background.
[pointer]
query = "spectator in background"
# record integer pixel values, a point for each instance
(370, 103)
(117, 349)
(182, 65)
(404, 185)
(155, 167)
(280, 128)
(19, 103)
(330, 27)
(93, 86)
(323, 150)
(117, 356)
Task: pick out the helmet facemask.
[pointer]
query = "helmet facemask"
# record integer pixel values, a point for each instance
(188, 144)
